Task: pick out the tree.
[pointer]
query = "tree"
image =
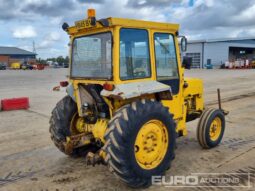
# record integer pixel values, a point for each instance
(41, 61)
(60, 60)
(66, 60)
(51, 59)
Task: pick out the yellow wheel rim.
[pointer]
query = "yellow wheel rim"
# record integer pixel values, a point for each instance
(151, 144)
(77, 125)
(215, 129)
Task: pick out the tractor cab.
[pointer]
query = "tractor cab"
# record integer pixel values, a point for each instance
(126, 58)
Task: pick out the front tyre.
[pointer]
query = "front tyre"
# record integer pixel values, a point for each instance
(211, 128)
(140, 142)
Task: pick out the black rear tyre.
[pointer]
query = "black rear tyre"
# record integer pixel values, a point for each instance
(60, 123)
(121, 137)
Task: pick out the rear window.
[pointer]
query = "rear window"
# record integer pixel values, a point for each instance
(92, 56)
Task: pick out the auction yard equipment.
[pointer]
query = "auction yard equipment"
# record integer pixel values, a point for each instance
(253, 63)
(2, 66)
(15, 65)
(26, 67)
(128, 99)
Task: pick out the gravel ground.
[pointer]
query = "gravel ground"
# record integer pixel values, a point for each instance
(30, 161)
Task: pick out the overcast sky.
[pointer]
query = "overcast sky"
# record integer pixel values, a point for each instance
(25, 21)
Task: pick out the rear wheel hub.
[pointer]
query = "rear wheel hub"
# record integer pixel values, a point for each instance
(151, 144)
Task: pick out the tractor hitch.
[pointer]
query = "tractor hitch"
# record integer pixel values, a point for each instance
(94, 159)
(76, 141)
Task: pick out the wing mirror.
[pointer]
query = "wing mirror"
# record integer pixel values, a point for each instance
(187, 62)
(184, 43)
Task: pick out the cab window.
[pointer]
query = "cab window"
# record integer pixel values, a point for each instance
(166, 61)
(134, 54)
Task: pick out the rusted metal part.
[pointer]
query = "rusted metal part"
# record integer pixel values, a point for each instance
(135, 89)
(165, 95)
(56, 88)
(94, 159)
(76, 141)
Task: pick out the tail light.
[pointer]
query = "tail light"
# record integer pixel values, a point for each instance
(64, 83)
(108, 87)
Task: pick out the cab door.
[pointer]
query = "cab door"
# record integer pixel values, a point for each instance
(167, 69)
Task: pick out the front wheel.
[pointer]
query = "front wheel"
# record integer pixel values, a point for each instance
(140, 142)
(211, 128)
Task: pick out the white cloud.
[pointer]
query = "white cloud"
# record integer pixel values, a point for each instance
(206, 19)
(53, 36)
(23, 32)
(208, 3)
(141, 2)
(246, 14)
(26, 47)
(56, 20)
(49, 40)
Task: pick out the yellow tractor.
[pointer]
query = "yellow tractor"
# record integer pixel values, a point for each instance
(128, 99)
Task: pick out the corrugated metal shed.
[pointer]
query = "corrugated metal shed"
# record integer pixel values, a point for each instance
(218, 51)
(14, 51)
(222, 40)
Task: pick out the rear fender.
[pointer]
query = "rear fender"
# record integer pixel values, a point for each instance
(136, 89)
(70, 92)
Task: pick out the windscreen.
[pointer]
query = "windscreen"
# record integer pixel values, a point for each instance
(92, 56)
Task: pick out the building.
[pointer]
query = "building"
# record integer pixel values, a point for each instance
(218, 51)
(9, 55)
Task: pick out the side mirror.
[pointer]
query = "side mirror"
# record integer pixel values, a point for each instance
(187, 62)
(184, 44)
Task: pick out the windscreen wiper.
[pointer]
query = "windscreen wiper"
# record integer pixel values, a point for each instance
(163, 46)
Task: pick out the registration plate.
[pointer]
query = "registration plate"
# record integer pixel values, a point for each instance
(88, 23)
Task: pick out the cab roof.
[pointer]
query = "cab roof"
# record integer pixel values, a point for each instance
(143, 24)
(132, 23)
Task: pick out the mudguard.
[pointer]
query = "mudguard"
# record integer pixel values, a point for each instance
(135, 89)
(70, 91)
